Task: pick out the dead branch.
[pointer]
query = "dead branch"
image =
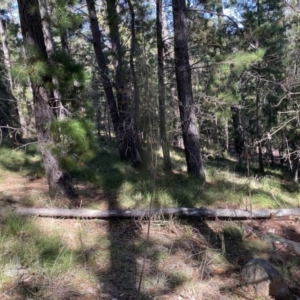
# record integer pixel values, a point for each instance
(145, 213)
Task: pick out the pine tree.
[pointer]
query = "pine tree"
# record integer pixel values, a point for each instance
(161, 86)
(11, 117)
(60, 182)
(121, 121)
(127, 145)
(185, 95)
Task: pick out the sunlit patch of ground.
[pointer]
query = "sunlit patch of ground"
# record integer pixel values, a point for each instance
(106, 259)
(28, 191)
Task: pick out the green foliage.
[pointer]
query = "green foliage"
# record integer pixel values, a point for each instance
(230, 70)
(63, 18)
(75, 142)
(33, 9)
(68, 71)
(233, 233)
(242, 60)
(11, 159)
(23, 242)
(25, 160)
(36, 70)
(71, 75)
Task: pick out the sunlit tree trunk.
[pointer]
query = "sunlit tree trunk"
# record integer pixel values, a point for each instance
(12, 105)
(6, 56)
(161, 87)
(4, 106)
(258, 129)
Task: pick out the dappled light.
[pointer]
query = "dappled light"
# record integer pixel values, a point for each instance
(182, 256)
(149, 150)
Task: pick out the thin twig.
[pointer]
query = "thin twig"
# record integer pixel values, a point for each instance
(149, 222)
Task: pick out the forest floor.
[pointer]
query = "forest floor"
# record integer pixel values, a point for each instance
(184, 258)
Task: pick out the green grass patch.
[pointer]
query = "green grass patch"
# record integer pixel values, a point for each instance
(134, 188)
(23, 242)
(111, 252)
(25, 161)
(233, 233)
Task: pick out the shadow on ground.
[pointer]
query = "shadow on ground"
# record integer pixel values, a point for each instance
(214, 251)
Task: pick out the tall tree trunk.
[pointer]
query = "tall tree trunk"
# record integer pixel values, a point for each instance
(294, 157)
(185, 95)
(136, 93)
(96, 101)
(258, 130)
(237, 132)
(258, 134)
(60, 182)
(4, 114)
(6, 56)
(123, 93)
(161, 87)
(113, 24)
(124, 137)
(13, 107)
(226, 135)
(57, 103)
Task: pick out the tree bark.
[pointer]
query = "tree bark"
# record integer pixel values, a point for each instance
(60, 111)
(6, 56)
(161, 87)
(185, 95)
(145, 213)
(237, 131)
(135, 84)
(258, 130)
(123, 94)
(258, 133)
(13, 107)
(107, 85)
(124, 137)
(60, 182)
(96, 101)
(294, 157)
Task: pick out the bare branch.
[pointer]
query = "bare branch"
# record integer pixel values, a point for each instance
(146, 213)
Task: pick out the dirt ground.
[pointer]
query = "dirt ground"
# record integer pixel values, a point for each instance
(271, 239)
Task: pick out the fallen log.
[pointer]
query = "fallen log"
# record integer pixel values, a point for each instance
(145, 213)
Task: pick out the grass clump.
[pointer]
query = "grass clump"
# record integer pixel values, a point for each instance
(38, 263)
(233, 232)
(24, 161)
(11, 160)
(183, 256)
(133, 188)
(24, 242)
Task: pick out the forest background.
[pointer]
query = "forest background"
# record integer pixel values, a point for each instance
(160, 103)
(220, 76)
